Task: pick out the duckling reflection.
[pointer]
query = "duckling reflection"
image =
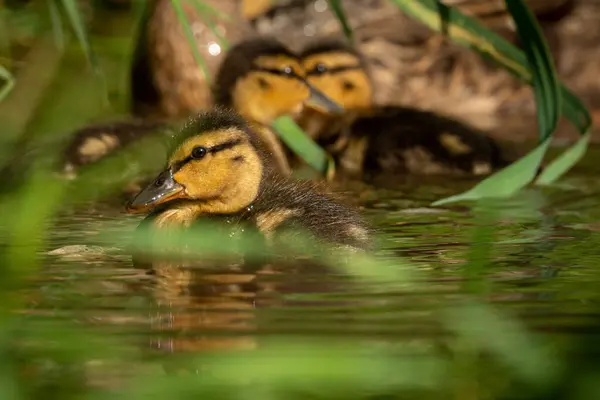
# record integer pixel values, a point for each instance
(219, 171)
(371, 140)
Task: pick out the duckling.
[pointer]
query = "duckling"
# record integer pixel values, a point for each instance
(220, 168)
(93, 142)
(391, 139)
(260, 78)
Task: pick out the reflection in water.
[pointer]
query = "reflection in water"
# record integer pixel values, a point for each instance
(543, 270)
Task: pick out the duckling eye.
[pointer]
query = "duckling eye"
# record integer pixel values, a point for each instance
(348, 85)
(198, 152)
(288, 70)
(321, 68)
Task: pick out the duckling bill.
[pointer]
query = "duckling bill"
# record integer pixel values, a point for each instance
(218, 169)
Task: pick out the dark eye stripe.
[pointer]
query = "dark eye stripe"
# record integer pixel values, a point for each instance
(334, 70)
(214, 149)
(224, 146)
(276, 71)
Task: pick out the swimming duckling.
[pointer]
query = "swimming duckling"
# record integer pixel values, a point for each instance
(260, 78)
(219, 169)
(93, 142)
(390, 139)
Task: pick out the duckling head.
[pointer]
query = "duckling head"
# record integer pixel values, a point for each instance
(263, 80)
(216, 168)
(339, 72)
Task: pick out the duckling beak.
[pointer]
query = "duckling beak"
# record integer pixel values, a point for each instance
(164, 188)
(319, 101)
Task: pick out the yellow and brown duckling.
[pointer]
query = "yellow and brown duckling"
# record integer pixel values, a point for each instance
(260, 78)
(219, 168)
(263, 80)
(370, 140)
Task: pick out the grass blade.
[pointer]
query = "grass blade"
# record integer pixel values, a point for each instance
(57, 25)
(76, 20)
(564, 162)
(187, 29)
(534, 66)
(504, 183)
(544, 78)
(467, 32)
(338, 10)
(205, 15)
(208, 9)
(9, 82)
(295, 138)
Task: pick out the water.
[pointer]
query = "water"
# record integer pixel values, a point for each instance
(542, 272)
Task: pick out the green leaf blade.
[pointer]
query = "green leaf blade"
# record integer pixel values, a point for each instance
(293, 136)
(506, 182)
(76, 20)
(338, 11)
(187, 30)
(544, 78)
(564, 162)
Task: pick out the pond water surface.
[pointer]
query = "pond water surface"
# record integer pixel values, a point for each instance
(537, 262)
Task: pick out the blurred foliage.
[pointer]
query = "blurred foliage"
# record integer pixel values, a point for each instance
(481, 353)
(534, 65)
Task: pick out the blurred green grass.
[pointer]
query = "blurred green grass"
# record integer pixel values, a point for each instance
(485, 355)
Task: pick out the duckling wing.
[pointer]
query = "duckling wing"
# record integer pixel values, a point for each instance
(295, 209)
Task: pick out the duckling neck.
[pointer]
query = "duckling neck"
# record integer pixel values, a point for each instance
(273, 145)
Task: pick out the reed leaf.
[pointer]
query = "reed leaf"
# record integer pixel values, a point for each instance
(467, 32)
(205, 14)
(57, 25)
(535, 66)
(338, 10)
(76, 19)
(187, 30)
(297, 140)
(544, 78)
(564, 162)
(208, 9)
(9, 82)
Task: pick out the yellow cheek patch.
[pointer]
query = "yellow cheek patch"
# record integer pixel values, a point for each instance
(454, 144)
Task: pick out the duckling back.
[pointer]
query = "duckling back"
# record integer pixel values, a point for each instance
(288, 206)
